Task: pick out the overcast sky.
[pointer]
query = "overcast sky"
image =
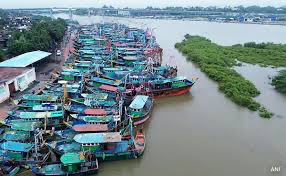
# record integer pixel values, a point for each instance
(134, 3)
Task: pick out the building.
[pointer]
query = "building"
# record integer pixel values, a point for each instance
(15, 79)
(25, 60)
(123, 13)
(15, 75)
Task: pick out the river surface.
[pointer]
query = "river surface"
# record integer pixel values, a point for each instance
(203, 133)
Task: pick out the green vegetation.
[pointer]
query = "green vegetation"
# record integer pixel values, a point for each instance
(217, 62)
(264, 113)
(2, 55)
(43, 33)
(280, 82)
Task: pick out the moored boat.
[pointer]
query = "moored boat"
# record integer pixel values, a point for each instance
(140, 109)
(71, 164)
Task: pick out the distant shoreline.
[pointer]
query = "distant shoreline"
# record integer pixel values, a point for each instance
(191, 19)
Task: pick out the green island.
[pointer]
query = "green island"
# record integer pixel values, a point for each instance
(279, 82)
(217, 62)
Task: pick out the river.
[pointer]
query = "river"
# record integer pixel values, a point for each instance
(203, 133)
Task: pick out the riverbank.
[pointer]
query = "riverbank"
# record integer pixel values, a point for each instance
(217, 62)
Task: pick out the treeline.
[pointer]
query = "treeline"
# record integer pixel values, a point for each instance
(42, 35)
(217, 62)
(279, 82)
(240, 9)
(3, 22)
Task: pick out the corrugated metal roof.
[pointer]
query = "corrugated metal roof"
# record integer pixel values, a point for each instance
(109, 88)
(26, 59)
(95, 112)
(72, 158)
(90, 127)
(139, 102)
(88, 138)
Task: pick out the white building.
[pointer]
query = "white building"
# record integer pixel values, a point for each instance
(16, 74)
(15, 79)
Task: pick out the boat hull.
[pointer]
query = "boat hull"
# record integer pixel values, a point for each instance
(119, 156)
(172, 92)
(141, 120)
(92, 172)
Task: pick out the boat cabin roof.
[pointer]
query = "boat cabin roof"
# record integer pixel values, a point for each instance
(40, 115)
(130, 58)
(87, 138)
(108, 88)
(97, 119)
(17, 146)
(95, 112)
(25, 125)
(106, 81)
(40, 97)
(113, 69)
(16, 135)
(139, 102)
(90, 128)
(103, 103)
(101, 96)
(72, 158)
(175, 79)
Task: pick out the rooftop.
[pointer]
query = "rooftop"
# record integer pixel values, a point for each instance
(95, 112)
(72, 158)
(87, 138)
(139, 102)
(90, 127)
(26, 59)
(8, 73)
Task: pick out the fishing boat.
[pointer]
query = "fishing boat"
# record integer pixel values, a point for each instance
(111, 146)
(50, 118)
(106, 146)
(64, 146)
(17, 150)
(140, 109)
(171, 86)
(25, 153)
(71, 164)
(140, 142)
(9, 168)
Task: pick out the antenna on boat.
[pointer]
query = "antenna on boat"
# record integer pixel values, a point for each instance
(38, 138)
(46, 121)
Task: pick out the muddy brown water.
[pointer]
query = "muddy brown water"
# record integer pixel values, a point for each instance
(203, 133)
